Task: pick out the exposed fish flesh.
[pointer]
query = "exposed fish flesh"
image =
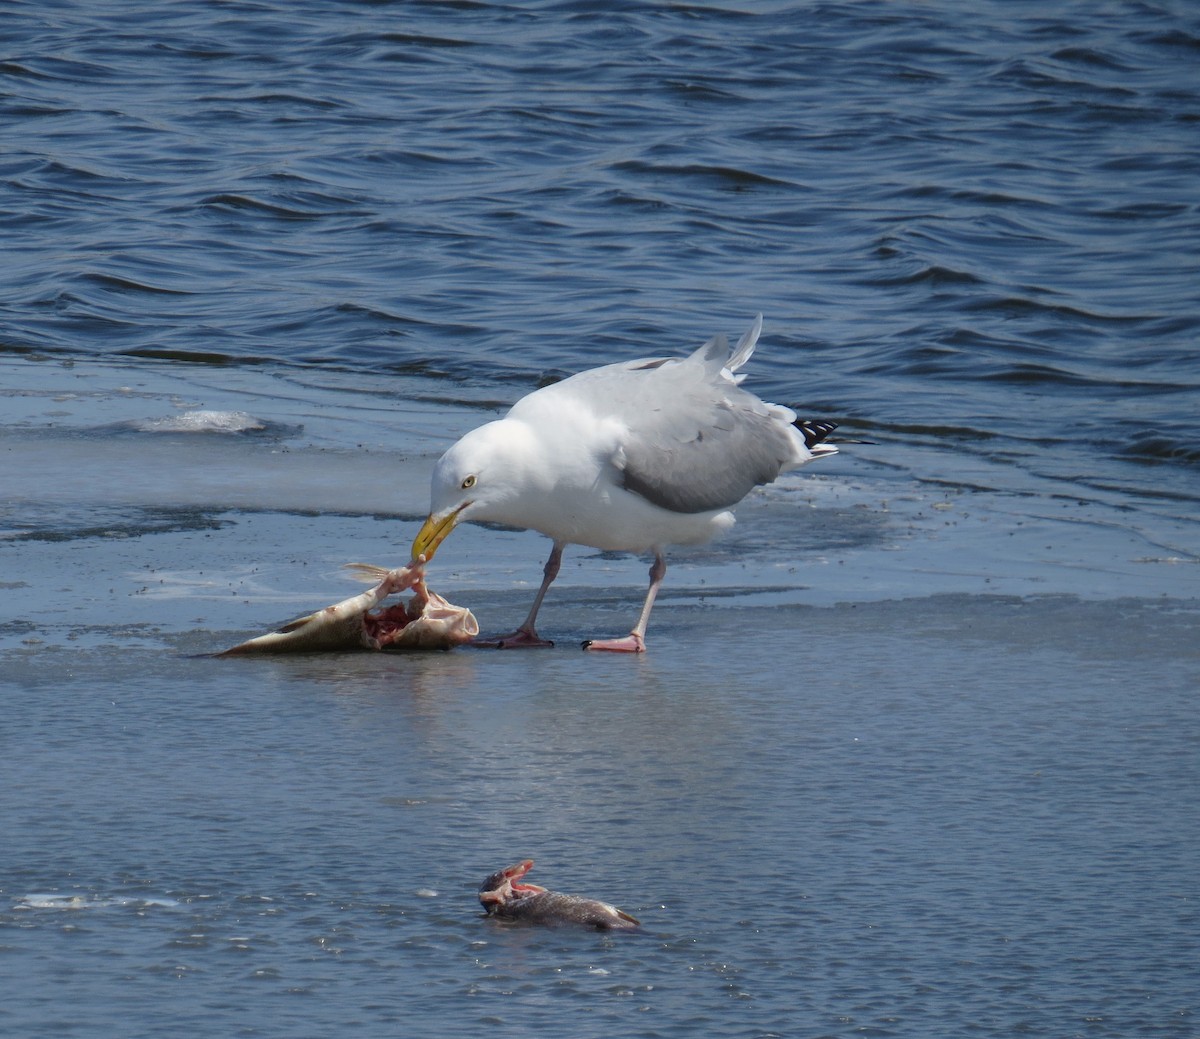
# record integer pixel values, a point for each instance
(505, 896)
(426, 621)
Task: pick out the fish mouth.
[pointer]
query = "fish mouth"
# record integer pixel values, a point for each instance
(505, 886)
(434, 531)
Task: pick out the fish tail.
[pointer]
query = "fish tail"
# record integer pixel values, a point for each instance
(368, 573)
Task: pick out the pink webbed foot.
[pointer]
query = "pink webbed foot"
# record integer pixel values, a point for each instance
(519, 639)
(631, 643)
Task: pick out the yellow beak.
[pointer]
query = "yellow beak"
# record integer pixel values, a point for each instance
(433, 532)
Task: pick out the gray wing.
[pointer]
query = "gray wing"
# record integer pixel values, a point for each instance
(711, 461)
(696, 441)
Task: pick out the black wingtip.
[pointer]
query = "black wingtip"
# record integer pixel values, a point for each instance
(814, 432)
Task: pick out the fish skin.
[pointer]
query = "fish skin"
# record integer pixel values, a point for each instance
(506, 896)
(552, 908)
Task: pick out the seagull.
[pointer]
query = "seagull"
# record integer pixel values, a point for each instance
(633, 457)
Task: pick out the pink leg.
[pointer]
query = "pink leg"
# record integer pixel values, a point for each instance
(635, 641)
(526, 636)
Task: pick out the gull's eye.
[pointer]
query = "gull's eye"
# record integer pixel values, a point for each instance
(468, 483)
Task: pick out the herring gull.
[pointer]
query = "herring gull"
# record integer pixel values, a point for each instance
(632, 457)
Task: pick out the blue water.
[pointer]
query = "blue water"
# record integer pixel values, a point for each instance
(920, 764)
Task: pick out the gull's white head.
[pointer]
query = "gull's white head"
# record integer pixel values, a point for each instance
(480, 478)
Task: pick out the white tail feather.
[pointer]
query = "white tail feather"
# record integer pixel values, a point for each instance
(745, 346)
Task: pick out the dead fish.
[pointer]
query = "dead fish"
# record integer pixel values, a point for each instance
(506, 897)
(426, 621)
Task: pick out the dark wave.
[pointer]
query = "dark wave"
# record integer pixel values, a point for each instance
(1026, 374)
(412, 41)
(1093, 57)
(935, 276)
(230, 201)
(18, 71)
(731, 178)
(1155, 446)
(115, 283)
(205, 357)
(1023, 306)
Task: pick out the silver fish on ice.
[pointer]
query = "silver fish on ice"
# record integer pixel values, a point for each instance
(426, 621)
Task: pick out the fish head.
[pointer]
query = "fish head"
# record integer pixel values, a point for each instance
(505, 886)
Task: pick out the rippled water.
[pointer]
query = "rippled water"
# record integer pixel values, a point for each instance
(919, 764)
(951, 215)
